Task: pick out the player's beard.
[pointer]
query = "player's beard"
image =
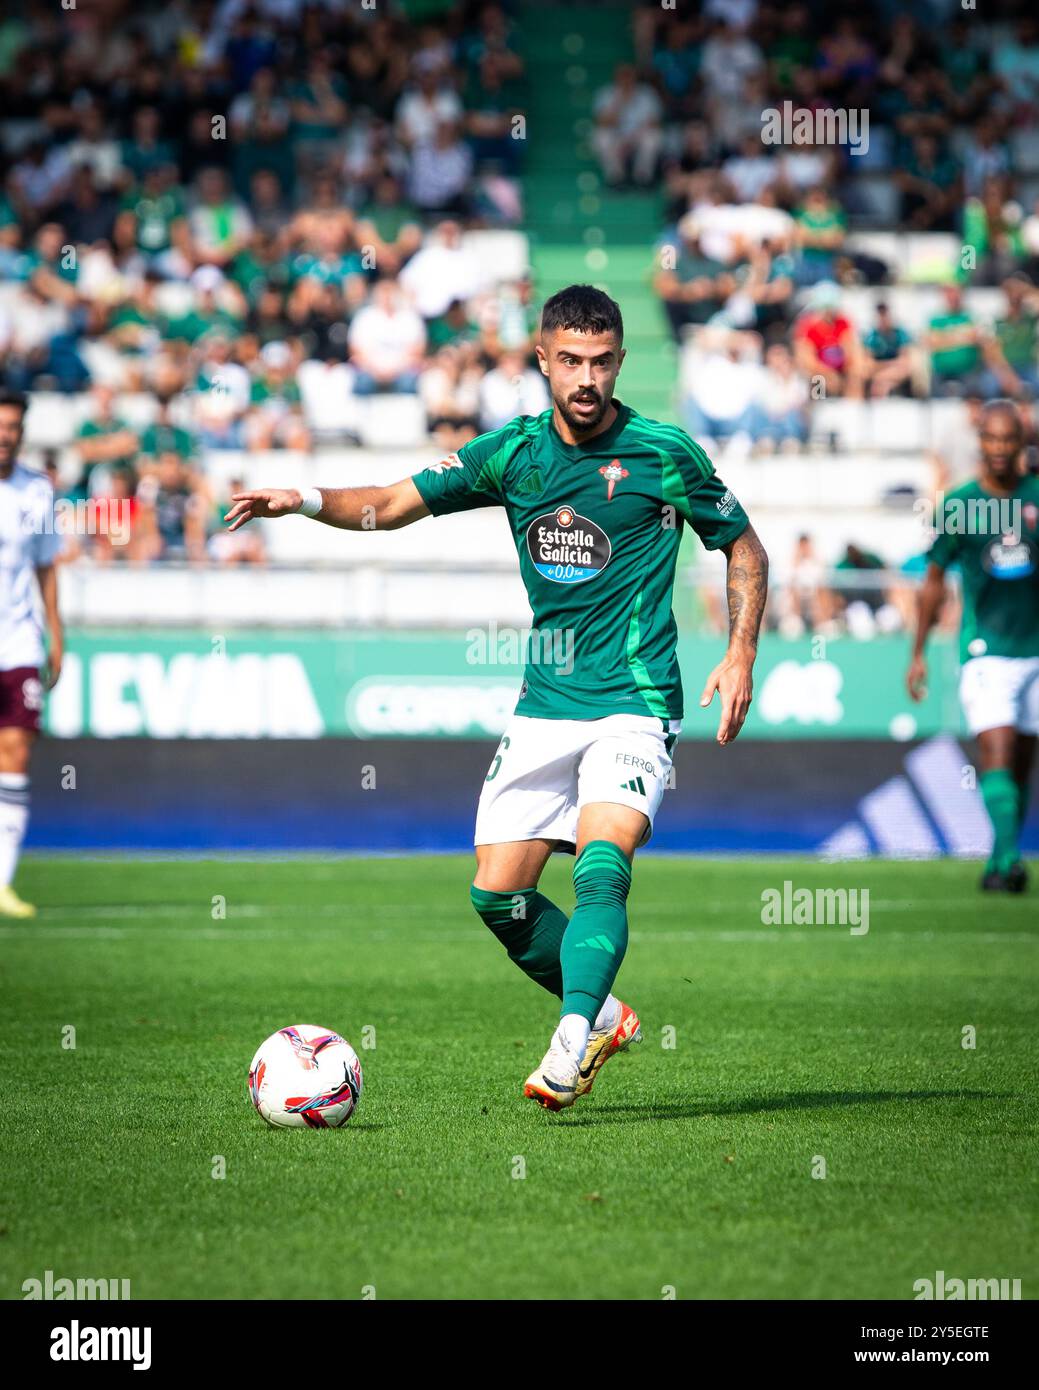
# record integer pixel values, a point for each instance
(581, 424)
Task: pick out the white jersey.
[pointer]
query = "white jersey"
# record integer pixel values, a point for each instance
(28, 539)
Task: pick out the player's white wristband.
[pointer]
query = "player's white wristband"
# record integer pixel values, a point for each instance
(312, 502)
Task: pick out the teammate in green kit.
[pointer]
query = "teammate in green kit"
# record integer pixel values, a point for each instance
(596, 497)
(990, 528)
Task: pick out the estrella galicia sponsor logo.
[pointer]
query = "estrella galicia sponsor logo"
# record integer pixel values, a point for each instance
(567, 548)
(1010, 557)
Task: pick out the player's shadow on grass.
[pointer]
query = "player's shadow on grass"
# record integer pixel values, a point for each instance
(798, 1100)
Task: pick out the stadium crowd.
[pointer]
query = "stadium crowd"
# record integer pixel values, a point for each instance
(754, 265)
(248, 209)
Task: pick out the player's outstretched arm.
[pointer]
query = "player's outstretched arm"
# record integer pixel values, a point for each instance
(349, 508)
(932, 595)
(746, 589)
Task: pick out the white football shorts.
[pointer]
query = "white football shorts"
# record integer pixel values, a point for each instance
(545, 770)
(1001, 692)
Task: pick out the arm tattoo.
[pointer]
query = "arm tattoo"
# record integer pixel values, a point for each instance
(746, 587)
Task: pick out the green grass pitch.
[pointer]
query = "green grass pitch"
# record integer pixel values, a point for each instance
(688, 1168)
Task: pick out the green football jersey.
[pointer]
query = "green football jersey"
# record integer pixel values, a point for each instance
(597, 527)
(995, 541)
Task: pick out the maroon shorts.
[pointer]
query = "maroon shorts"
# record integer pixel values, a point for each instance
(21, 699)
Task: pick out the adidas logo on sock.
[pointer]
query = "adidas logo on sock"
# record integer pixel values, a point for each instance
(597, 943)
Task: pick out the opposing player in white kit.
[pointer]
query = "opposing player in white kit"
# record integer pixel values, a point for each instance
(29, 546)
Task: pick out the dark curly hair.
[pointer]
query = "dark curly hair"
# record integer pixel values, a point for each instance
(584, 309)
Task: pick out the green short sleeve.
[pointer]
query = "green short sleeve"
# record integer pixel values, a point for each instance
(471, 478)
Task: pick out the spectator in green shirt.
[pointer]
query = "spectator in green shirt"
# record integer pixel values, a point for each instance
(275, 418)
(208, 313)
(52, 265)
(955, 344)
(104, 441)
(144, 150)
(162, 436)
(492, 99)
(319, 112)
(152, 215)
(820, 228)
(452, 327)
(1014, 351)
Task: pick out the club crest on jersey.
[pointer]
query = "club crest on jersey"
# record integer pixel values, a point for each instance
(613, 473)
(567, 548)
(1010, 557)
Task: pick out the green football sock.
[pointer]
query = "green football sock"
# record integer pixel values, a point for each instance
(530, 928)
(1024, 793)
(597, 936)
(1002, 797)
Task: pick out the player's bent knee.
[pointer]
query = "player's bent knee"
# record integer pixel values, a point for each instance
(602, 873)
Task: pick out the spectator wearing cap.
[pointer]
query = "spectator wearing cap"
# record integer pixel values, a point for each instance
(888, 356)
(826, 347)
(387, 343)
(627, 136)
(691, 285)
(209, 311)
(221, 394)
(275, 418)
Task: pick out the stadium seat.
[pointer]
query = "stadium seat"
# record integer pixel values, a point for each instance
(391, 421)
(897, 423)
(500, 255)
(53, 418)
(842, 424)
(329, 405)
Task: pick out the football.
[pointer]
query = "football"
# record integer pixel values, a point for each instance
(305, 1076)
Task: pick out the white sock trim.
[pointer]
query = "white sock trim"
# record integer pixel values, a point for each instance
(572, 1034)
(609, 1015)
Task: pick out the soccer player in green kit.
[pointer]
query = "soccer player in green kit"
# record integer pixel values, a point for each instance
(596, 497)
(990, 528)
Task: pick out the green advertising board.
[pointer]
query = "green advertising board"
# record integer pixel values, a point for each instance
(273, 684)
